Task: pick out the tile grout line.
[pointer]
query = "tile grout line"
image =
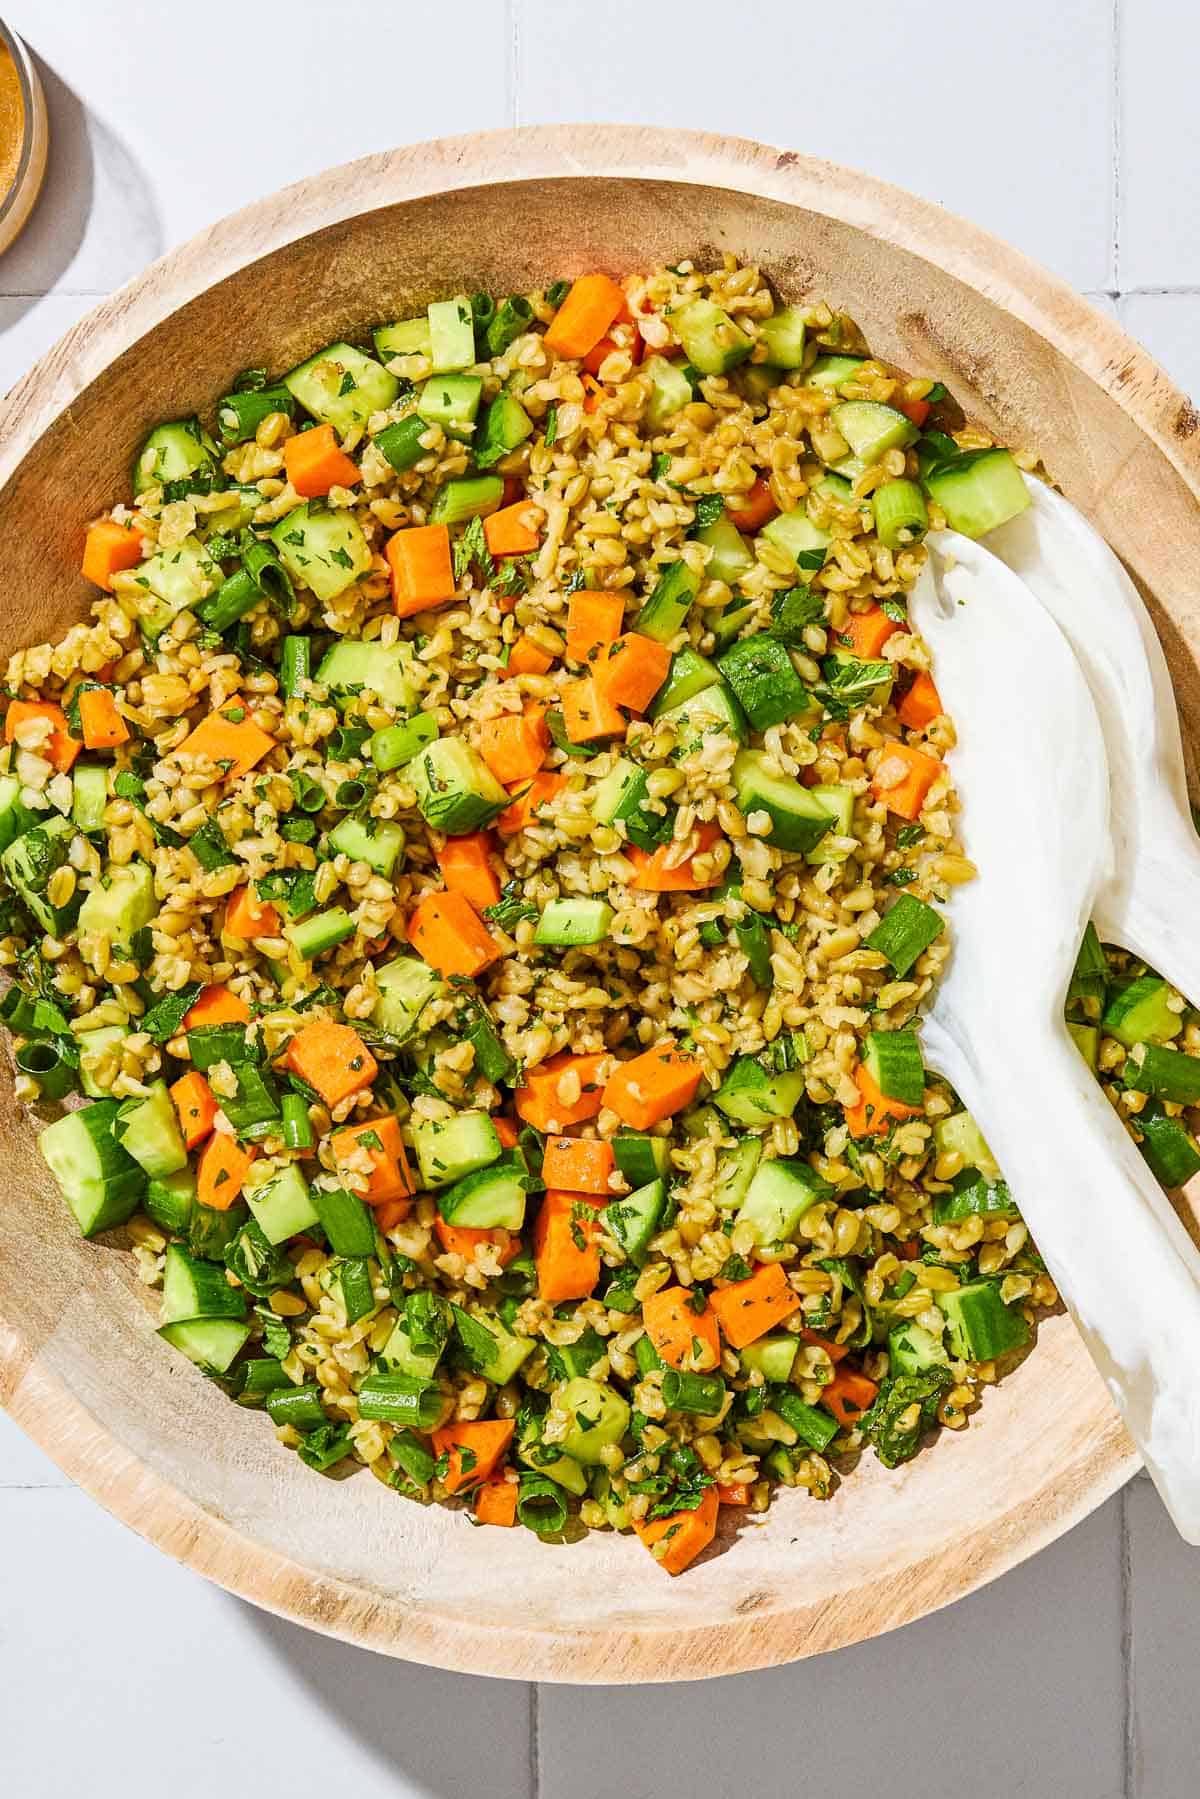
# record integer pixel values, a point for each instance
(1117, 146)
(1128, 1733)
(535, 1744)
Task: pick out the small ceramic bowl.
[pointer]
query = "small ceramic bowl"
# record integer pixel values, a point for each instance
(23, 110)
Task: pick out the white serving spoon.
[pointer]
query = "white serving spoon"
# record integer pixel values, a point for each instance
(1150, 901)
(1031, 768)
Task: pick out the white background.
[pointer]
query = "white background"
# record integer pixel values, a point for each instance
(1070, 128)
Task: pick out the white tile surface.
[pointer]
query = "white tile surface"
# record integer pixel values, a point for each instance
(1006, 116)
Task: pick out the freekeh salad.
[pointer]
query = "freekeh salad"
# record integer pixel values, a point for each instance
(479, 868)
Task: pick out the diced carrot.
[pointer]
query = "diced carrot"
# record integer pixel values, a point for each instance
(759, 508)
(654, 876)
(422, 568)
(466, 868)
(632, 672)
(193, 1100)
(564, 1247)
(593, 393)
(593, 304)
(378, 1139)
(540, 1103)
(507, 1132)
(593, 622)
(921, 704)
(496, 1502)
(448, 932)
(837, 1352)
(588, 715)
(332, 1058)
(675, 1542)
(748, 1309)
(222, 1170)
(910, 1250)
(867, 632)
(391, 1213)
(230, 740)
(216, 1005)
(314, 462)
(58, 748)
(598, 352)
(514, 744)
(464, 1239)
(916, 410)
(848, 1396)
(249, 917)
(513, 530)
(473, 1450)
(652, 1086)
(736, 1494)
(579, 1164)
(526, 659)
(527, 807)
(103, 726)
(903, 777)
(109, 549)
(874, 1112)
(685, 1338)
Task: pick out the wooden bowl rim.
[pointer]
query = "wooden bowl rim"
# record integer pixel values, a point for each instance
(43, 1405)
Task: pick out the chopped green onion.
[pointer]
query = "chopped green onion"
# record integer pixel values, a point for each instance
(513, 316)
(297, 1126)
(703, 1394)
(298, 1406)
(541, 1507)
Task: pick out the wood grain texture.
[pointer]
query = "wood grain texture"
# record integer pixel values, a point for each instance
(80, 1368)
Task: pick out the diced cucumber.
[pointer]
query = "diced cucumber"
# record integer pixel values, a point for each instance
(15, 816)
(92, 1044)
(493, 1351)
(319, 932)
(901, 515)
(798, 821)
(407, 337)
(670, 390)
(777, 1198)
(960, 1133)
(893, 1060)
(169, 1201)
(905, 932)
(1087, 1041)
(690, 673)
(212, 1343)
(196, 1289)
(89, 796)
(346, 1220)
(148, 1130)
(735, 1170)
(473, 497)
(764, 679)
(456, 790)
(980, 1326)
(405, 987)
(451, 334)
(369, 840)
(838, 801)
(732, 622)
(641, 1158)
(972, 1195)
(352, 666)
(211, 1232)
(399, 1355)
(912, 1349)
(748, 1094)
(634, 1219)
(342, 387)
(280, 1200)
(396, 745)
(978, 491)
(321, 548)
(401, 442)
(448, 1149)
(506, 425)
(620, 797)
(713, 711)
(571, 923)
(834, 371)
(872, 430)
(838, 488)
(177, 579)
(729, 555)
(1139, 1013)
(714, 344)
(489, 1198)
(1168, 1146)
(794, 534)
(760, 379)
(451, 401)
(773, 1357)
(783, 334)
(663, 614)
(122, 904)
(173, 453)
(1163, 1073)
(29, 862)
(598, 1416)
(100, 1182)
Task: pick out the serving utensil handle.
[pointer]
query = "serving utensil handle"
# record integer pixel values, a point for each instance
(1159, 910)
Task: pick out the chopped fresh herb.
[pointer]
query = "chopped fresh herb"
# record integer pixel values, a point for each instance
(472, 548)
(510, 908)
(551, 423)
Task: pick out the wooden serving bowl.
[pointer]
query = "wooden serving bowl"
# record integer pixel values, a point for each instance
(80, 1368)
